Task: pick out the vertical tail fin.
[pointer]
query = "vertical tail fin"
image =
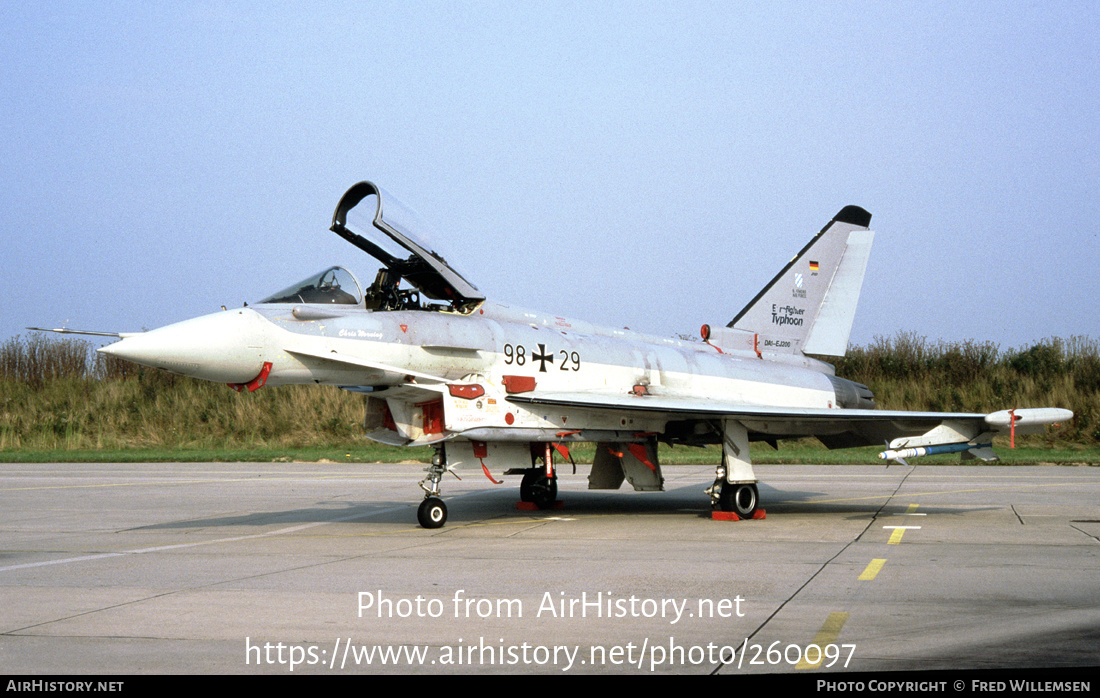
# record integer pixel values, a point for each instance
(809, 305)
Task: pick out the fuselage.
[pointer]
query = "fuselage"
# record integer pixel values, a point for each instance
(410, 358)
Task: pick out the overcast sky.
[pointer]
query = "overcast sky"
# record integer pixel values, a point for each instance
(641, 164)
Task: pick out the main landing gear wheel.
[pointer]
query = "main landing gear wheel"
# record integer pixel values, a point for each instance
(432, 513)
(742, 499)
(536, 487)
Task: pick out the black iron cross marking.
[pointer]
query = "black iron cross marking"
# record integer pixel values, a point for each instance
(542, 357)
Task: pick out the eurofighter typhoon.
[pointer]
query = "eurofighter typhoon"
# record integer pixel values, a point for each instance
(493, 387)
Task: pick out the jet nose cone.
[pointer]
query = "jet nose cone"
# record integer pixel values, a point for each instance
(226, 347)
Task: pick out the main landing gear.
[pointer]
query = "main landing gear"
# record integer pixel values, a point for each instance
(739, 498)
(540, 483)
(538, 489)
(734, 489)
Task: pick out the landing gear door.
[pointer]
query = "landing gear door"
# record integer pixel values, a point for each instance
(735, 452)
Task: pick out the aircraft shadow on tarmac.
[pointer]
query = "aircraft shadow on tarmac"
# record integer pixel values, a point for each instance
(812, 502)
(480, 505)
(320, 513)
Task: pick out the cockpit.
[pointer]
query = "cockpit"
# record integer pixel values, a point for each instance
(385, 234)
(335, 286)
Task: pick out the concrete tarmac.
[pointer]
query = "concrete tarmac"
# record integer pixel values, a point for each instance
(301, 568)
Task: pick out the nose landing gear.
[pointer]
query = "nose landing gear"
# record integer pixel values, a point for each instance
(432, 512)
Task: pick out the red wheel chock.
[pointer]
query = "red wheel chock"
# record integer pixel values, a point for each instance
(531, 506)
(732, 516)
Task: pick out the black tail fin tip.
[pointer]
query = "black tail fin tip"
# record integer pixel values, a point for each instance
(854, 215)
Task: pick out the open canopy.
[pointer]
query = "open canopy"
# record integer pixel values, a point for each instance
(424, 268)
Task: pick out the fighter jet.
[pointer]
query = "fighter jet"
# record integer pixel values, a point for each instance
(507, 390)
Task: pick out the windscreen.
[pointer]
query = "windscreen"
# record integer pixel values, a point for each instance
(335, 286)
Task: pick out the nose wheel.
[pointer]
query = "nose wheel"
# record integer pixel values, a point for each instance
(432, 513)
